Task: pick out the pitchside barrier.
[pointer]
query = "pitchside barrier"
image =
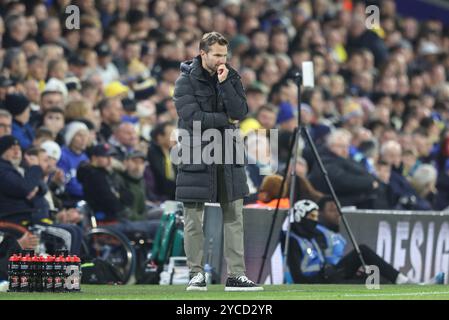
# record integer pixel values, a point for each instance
(414, 242)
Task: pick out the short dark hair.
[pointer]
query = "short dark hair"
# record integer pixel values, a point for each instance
(34, 151)
(159, 130)
(212, 38)
(54, 110)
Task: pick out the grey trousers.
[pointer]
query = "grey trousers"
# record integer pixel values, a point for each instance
(232, 233)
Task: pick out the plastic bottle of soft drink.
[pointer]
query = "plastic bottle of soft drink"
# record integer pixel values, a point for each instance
(14, 273)
(77, 278)
(37, 273)
(47, 274)
(25, 273)
(58, 275)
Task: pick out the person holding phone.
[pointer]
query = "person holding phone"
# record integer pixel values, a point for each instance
(209, 94)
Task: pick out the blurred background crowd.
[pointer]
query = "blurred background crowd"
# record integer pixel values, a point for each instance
(92, 107)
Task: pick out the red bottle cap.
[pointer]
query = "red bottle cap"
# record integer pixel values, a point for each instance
(14, 257)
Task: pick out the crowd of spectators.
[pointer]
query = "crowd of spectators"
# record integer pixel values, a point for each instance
(92, 107)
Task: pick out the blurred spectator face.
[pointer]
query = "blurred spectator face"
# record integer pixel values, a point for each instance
(388, 8)
(80, 141)
(403, 85)
(267, 118)
(361, 134)
(132, 51)
(339, 142)
(391, 153)
(279, 43)
(19, 29)
(38, 69)
(54, 121)
(357, 27)
(90, 36)
(382, 113)
(101, 162)
(248, 76)
(40, 12)
(255, 100)
(126, 134)
(30, 48)
(260, 41)
(410, 28)
(170, 21)
(410, 125)
(122, 30)
(19, 66)
(319, 65)
(32, 90)
(329, 214)
(337, 85)
(5, 126)
(219, 23)
(364, 81)
(44, 162)
(164, 140)
(72, 38)
(205, 19)
(389, 85)
(383, 172)
(409, 159)
(13, 155)
(135, 167)
(341, 149)
(52, 32)
(423, 145)
(356, 64)
(113, 113)
(387, 135)
(32, 25)
(216, 56)
(270, 74)
(416, 85)
(59, 70)
(52, 99)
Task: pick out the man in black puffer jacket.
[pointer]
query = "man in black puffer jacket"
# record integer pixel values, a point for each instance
(209, 95)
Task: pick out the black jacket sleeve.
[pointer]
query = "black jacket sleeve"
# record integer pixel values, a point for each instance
(189, 110)
(347, 180)
(13, 185)
(234, 98)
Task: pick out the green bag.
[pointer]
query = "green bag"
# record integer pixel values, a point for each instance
(169, 240)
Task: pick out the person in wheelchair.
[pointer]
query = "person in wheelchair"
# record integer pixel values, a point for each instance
(108, 197)
(22, 191)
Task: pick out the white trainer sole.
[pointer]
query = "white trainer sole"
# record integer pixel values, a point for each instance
(192, 288)
(244, 289)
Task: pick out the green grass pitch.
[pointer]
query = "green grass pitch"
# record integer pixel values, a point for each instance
(216, 292)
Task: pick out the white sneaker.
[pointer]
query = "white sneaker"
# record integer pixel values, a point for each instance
(197, 283)
(241, 283)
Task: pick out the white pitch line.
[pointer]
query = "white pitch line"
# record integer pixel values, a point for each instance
(397, 294)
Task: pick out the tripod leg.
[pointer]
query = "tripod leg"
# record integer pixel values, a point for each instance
(281, 191)
(333, 194)
(294, 159)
